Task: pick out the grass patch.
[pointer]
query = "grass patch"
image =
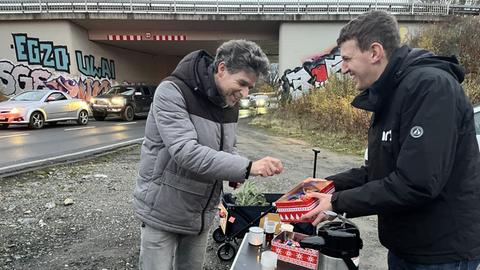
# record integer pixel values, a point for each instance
(305, 129)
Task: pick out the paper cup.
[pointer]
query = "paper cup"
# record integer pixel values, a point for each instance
(269, 260)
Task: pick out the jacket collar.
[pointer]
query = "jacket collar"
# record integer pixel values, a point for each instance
(196, 70)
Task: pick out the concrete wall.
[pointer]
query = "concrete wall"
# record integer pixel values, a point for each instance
(44, 54)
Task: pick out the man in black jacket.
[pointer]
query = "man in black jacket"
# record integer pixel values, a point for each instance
(423, 173)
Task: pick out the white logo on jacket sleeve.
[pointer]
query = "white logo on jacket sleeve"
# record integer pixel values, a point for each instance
(416, 132)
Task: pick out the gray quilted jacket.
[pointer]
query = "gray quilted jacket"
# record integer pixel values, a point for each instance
(189, 149)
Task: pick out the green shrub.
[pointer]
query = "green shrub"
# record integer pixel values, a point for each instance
(328, 109)
(460, 37)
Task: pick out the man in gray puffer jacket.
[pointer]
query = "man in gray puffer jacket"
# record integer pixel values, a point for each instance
(189, 149)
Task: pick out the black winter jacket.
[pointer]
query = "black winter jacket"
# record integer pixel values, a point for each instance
(423, 173)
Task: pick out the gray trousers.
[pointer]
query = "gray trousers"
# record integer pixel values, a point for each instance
(161, 250)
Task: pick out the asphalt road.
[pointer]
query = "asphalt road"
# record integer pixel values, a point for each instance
(21, 148)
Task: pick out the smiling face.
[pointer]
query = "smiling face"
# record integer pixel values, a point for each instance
(364, 67)
(234, 86)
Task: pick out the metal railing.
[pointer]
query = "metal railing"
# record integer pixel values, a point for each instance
(264, 7)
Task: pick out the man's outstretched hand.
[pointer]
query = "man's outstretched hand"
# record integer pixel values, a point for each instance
(266, 166)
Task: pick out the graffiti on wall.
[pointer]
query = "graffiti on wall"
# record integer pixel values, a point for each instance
(313, 73)
(43, 53)
(18, 78)
(86, 65)
(45, 65)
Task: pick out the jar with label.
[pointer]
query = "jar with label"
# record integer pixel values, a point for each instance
(269, 232)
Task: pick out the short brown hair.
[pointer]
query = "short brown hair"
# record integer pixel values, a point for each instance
(243, 55)
(373, 26)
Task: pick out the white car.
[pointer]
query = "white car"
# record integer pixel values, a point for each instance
(259, 101)
(476, 113)
(35, 108)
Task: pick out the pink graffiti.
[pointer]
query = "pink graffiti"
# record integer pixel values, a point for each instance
(80, 88)
(15, 79)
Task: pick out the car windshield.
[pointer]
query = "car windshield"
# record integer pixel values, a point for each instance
(121, 91)
(30, 96)
(477, 122)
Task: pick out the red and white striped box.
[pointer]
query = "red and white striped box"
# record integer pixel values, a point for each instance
(304, 257)
(292, 210)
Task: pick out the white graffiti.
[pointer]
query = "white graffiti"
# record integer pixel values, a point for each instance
(18, 78)
(15, 79)
(299, 80)
(313, 73)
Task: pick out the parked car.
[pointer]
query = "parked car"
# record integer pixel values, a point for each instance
(259, 101)
(245, 102)
(476, 113)
(124, 101)
(37, 107)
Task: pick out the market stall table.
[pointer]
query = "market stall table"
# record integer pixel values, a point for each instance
(248, 258)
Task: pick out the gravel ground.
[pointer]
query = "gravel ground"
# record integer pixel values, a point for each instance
(79, 215)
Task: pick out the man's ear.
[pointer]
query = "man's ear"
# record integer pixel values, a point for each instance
(377, 52)
(221, 68)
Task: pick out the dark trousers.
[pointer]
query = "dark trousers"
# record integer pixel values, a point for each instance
(397, 263)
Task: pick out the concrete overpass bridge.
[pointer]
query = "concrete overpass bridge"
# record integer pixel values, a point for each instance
(84, 46)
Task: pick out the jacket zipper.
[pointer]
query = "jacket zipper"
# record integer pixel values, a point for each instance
(214, 185)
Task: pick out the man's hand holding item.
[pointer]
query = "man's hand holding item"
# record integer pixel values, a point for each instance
(266, 166)
(324, 204)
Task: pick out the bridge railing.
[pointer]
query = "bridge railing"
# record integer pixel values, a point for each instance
(264, 7)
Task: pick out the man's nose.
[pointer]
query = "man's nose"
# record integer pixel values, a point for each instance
(344, 67)
(245, 91)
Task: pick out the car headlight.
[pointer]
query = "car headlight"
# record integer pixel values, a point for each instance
(244, 103)
(17, 110)
(119, 101)
(260, 102)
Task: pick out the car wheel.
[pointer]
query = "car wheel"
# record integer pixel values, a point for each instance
(36, 120)
(82, 118)
(4, 126)
(128, 113)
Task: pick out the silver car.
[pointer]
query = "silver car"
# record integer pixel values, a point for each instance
(35, 108)
(476, 113)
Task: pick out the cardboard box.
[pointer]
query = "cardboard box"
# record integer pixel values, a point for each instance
(292, 206)
(304, 257)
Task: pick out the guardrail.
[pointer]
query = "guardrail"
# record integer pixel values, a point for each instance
(263, 7)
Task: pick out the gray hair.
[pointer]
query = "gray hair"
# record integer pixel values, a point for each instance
(242, 55)
(374, 26)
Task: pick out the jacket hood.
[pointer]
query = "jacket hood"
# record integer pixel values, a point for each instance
(196, 70)
(403, 61)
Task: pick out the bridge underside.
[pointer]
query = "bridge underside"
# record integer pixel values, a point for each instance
(180, 37)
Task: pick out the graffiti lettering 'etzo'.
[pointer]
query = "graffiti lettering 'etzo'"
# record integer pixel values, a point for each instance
(44, 53)
(313, 73)
(44, 65)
